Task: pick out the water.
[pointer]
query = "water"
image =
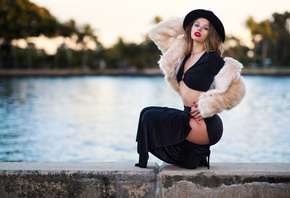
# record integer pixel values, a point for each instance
(94, 119)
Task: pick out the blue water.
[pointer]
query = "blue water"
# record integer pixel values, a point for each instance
(94, 119)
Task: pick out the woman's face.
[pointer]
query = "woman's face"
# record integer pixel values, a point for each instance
(199, 30)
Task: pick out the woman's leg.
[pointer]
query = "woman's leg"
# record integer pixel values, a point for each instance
(169, 154)
(142, 137)
(184, 154)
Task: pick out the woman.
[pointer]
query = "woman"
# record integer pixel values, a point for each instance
(192, 64)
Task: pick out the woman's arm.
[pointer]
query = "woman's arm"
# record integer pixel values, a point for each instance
(169, 38)
(165, 33)
(228, 92)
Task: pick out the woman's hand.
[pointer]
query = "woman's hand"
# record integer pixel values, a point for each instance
(194, 113)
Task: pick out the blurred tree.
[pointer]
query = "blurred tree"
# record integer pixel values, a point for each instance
(271, 38)
(151, 53)
(67, 30)
(86, 35)
(281, 44)
(119, 56)
(233, 48)
(255, 31)
(267, 36)
(23, 19)
(132, 56)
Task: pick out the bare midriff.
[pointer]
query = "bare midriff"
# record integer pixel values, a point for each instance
(198, 133)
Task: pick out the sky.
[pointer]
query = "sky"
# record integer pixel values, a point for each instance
(132, 19)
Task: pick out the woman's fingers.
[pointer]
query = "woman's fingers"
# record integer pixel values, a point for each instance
(194, 113)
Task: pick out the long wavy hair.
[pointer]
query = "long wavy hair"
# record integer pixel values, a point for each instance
(212, 42)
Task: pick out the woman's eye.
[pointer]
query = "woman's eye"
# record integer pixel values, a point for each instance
(196, 25)
(205, 28)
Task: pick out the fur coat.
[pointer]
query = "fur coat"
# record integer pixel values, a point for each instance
(228, 88)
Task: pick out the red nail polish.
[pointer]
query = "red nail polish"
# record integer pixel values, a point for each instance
(194, 102)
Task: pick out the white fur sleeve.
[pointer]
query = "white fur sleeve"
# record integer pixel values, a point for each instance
(165, 33)
(228, 92)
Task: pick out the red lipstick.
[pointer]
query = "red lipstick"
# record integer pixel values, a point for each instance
(197, 34)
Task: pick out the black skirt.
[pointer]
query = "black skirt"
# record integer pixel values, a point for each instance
(163, 131)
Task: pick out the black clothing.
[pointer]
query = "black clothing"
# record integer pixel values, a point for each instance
(159, 127)
(201, 75)
(162, 131)
(185, 154)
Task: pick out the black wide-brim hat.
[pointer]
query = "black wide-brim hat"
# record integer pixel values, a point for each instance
(209, 15)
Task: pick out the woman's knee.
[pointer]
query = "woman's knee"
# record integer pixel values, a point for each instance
(148, 113)
(145, 109)
(144, 112)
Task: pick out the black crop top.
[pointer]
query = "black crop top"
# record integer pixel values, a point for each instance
(201, 75)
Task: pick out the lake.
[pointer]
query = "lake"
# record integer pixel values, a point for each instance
(94, 119)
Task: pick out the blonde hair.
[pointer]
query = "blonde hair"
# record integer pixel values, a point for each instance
(212, 43)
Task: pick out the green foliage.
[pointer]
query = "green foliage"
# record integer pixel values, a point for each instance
(131, 55)
(23, 19)
(272, 38)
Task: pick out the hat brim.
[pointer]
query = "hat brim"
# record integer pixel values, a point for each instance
(209, 15)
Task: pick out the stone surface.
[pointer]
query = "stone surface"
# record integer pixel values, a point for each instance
(226, 180)
(77, 180)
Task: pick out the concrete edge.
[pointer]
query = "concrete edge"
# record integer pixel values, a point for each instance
(123, 179)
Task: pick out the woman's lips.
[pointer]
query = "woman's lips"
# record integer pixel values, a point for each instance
(197, 34)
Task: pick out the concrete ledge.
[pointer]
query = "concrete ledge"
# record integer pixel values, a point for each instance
(123, 179)
(227, 180)
(77, 180)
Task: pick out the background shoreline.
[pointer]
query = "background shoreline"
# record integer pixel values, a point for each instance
(126, 72)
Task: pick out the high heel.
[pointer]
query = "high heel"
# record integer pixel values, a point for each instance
(143, 158)
(205, 160)
(208, 160)
(138, 165)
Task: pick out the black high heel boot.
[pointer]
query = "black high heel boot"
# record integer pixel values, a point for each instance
(205, 160)
(143, 159)
(208, 161)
